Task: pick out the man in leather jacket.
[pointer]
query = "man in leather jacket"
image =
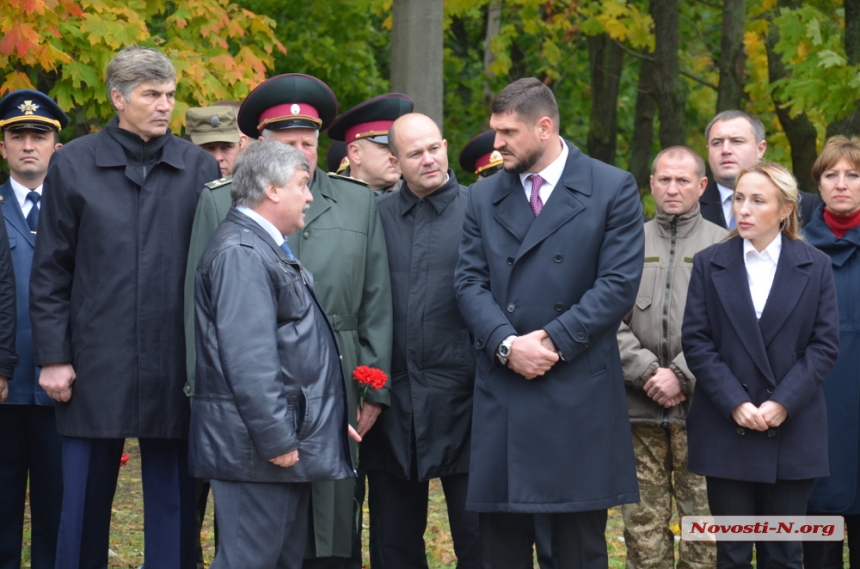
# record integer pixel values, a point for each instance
(270, 410)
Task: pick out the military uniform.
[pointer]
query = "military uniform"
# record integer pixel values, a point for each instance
(480, 156)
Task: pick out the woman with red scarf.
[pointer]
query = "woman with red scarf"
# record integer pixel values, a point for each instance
(835, 230)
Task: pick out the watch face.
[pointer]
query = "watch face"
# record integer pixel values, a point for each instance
(504, 350)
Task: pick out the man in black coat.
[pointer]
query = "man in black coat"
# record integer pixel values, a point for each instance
(736, 140)
(106, 306)
(426, 432)
(550, 261)
(8, 320)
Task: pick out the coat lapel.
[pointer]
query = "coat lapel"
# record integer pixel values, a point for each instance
(13, 214)
(512, 210)
(711, 205)
(789, 282)
(733, 291)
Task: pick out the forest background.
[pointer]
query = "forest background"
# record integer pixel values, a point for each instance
(630, 76)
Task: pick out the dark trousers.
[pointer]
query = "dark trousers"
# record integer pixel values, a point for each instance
(30, 448)
(262, 526)
(740, 498)
(90, 469)
(578, 540)
(828, 554)
(398, 519)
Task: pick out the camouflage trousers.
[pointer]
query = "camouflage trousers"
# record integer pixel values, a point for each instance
(661, 466)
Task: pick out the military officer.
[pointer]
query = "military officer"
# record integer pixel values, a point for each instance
(480, 157)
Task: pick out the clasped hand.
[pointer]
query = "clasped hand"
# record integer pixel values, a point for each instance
(768, 416)
(532, 355)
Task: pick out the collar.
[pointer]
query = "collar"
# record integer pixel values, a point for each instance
(772, 250)
(21, 191)
(264, 223)
(684, 223)
(111, 150)
(552, 173)
(438, 199)
(725, 193)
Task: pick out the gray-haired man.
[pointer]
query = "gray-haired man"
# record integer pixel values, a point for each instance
(270, 409)
(106, 307)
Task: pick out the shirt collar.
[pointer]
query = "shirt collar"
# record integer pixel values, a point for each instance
(21, 191)
(438, 199)
(725, 193)
(771, 251)
(264, 223)
(552, 173)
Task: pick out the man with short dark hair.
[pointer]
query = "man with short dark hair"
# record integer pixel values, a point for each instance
(550, 262)
(659, 385)
(30, 446)
(270, 409)
(736, 140)
(425, 433)
(106, 305)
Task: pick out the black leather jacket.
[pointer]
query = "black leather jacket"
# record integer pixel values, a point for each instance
(268, 373)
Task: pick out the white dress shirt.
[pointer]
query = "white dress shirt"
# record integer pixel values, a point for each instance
(550, 175)
(264, 223)
(21, 194)
(761, 268)
(726, 201)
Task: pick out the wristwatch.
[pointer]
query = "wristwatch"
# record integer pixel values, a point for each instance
(505, 349)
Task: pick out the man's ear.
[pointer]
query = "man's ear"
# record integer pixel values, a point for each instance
(353, 152)
(545, 128)
(117, 99)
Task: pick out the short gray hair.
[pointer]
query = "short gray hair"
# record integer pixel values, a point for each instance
(678, 151)
(755, 123)
(135, 65)
(261, 164)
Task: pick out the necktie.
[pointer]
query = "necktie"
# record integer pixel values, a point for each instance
(730, 222)
(33, 216)
(286, 249)
(535, 200)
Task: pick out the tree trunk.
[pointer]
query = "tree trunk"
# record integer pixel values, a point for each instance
(416, 54)
(606, 58)
(643, 126)
(732, 56)
(799, 130)
(494, 25)
(668, 90)
(850, 125)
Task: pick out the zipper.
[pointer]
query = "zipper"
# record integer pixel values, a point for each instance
(667, 295)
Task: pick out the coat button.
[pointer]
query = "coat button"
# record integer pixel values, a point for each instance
(187, 389)
(559, 307)
(306, 234)
(740, 431)
(580, 336)
(511, 308)
(558, 258)
(771, 433)
(510, 260)
(770, 389)
(479, 342)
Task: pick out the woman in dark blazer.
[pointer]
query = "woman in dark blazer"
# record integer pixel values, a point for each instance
(835, 229)
(760, 333)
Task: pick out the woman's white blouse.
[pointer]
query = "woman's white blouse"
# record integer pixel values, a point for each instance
(761, 267)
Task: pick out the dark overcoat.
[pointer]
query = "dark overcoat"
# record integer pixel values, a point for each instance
(561, 442)
(106, 291)
(783, 357)
(24, 388)
(8, 327)
(837, 494)
(433, 362)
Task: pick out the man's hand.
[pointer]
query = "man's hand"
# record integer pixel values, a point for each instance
(663, 387)
(748, 416)
(286, 460)
(366, 417)
(529, 357)
(680, 398)
(4, 388)
(773, 413)
(353, 434)
(56, 380)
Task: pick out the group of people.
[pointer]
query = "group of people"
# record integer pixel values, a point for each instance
(217, 298)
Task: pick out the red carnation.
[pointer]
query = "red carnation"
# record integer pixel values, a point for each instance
(123, 459)
(370, 376)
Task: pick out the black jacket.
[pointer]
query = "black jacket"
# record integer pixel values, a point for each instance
(711, 204)
(8, 315)
(268, 372)
(107, 278)
(433, 362)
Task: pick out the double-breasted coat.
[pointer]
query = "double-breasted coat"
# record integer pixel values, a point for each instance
(838, 493)
(106, 291)
(783, 357)
(561, 442)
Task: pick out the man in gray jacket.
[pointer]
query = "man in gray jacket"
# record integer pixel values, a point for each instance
(659, 385)
(270, 409)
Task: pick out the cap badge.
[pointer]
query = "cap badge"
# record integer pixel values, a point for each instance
(215, 121)
(28, 107)
(496, 155)
(295, 109)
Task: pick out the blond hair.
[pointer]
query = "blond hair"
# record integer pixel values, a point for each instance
(787, 194)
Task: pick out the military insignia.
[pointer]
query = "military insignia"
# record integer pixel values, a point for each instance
(496, 155)
(295, 109)
(214, 121)
(28, 107)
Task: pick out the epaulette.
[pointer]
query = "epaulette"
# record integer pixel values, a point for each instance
(348, 179)
(219, 182)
